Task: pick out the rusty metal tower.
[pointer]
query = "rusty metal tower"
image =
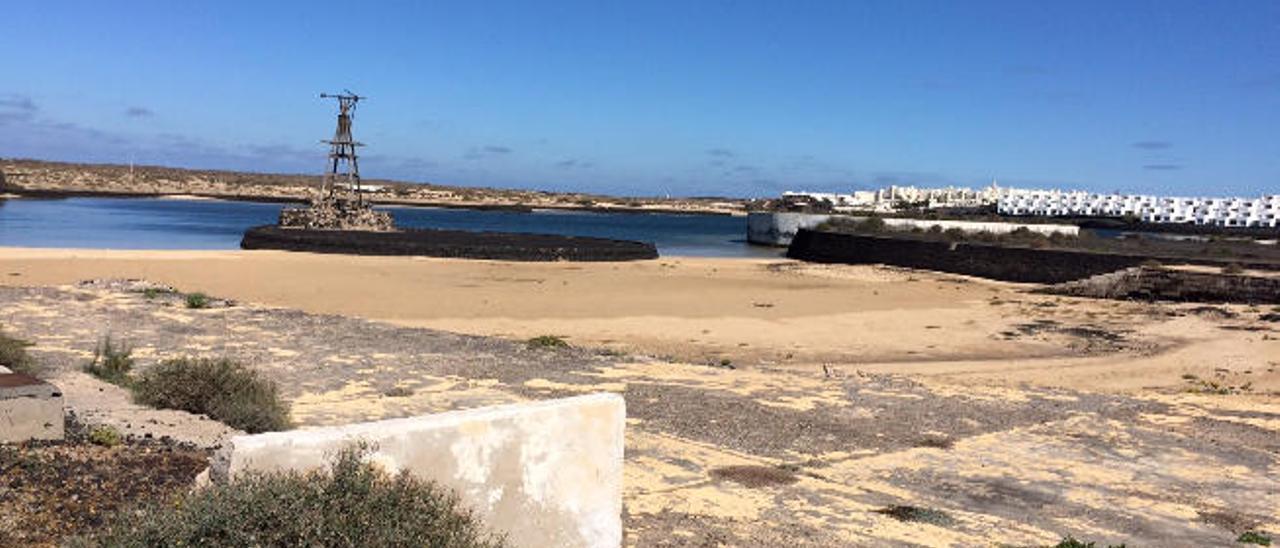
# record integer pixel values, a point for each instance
(344, 167)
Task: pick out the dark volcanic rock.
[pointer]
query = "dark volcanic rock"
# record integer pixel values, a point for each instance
(1011, 264)
(1152, 284)
(996, 262)
(507, 246)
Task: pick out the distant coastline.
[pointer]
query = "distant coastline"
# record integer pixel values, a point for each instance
(43, 179)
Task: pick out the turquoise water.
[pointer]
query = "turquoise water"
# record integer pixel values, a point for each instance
(155, 223)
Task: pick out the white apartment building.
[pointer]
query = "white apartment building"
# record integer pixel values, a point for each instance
(1229, 212)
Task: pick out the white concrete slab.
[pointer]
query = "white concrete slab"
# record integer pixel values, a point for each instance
(30, 409)
(546, 473)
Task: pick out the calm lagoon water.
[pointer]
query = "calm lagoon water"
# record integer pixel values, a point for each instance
(158, 223)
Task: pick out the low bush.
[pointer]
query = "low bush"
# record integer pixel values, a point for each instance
(873, 225)
(105, 436)
(398, 392)
(224, 390)
(1062, 240)
(354, 503)
(1254, 537)
(197, 300)
(1071, 542)
(111, 362)
(14, 356)
(152, 293)
(917, 514)
(547, 341)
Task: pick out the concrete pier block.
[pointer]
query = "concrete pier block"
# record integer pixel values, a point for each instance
(546, 473)
(30, 409)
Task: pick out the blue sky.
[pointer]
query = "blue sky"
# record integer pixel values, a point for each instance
(651, 98)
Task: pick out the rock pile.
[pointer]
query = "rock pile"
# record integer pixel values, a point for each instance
(337, 213)
(1164, 284)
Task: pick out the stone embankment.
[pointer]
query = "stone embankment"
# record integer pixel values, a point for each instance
(337, 214)
(1010, 264)
(1165, 284)
(996, 262)
(502, 246)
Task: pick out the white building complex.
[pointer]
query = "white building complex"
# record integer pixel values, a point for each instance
(1229, 212)
(890, 198)
(1260, 212)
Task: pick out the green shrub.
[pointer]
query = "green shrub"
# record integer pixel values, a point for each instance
(1060, 239)
(111, 362)
(105, 436)
(1254, 537)
(547, 341)
(14, 356)
(398, 392)
(197, 300)
(985, 236)
(917, 514)
(873, 225)
(353, 503)
(152, 293)
(224, 390)
(1071, 542)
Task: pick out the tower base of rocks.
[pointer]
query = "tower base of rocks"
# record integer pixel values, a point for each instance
(337, 213)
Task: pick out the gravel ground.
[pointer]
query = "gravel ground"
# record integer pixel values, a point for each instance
(723, 456)
(52, 491)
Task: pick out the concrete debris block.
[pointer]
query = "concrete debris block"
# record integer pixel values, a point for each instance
(546, 473)
(779, 228)
(30, 409)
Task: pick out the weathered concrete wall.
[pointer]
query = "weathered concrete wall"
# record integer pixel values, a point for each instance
(1175, 285)
(546, 473)
(30, 409)
(779, 228)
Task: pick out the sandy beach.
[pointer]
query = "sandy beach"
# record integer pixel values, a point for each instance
(740, 312)
(1024, 417)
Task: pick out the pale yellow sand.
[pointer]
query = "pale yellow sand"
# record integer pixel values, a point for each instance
(752, 312)
(806, 328)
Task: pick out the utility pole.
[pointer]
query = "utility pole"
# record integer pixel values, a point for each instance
(343, 163)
